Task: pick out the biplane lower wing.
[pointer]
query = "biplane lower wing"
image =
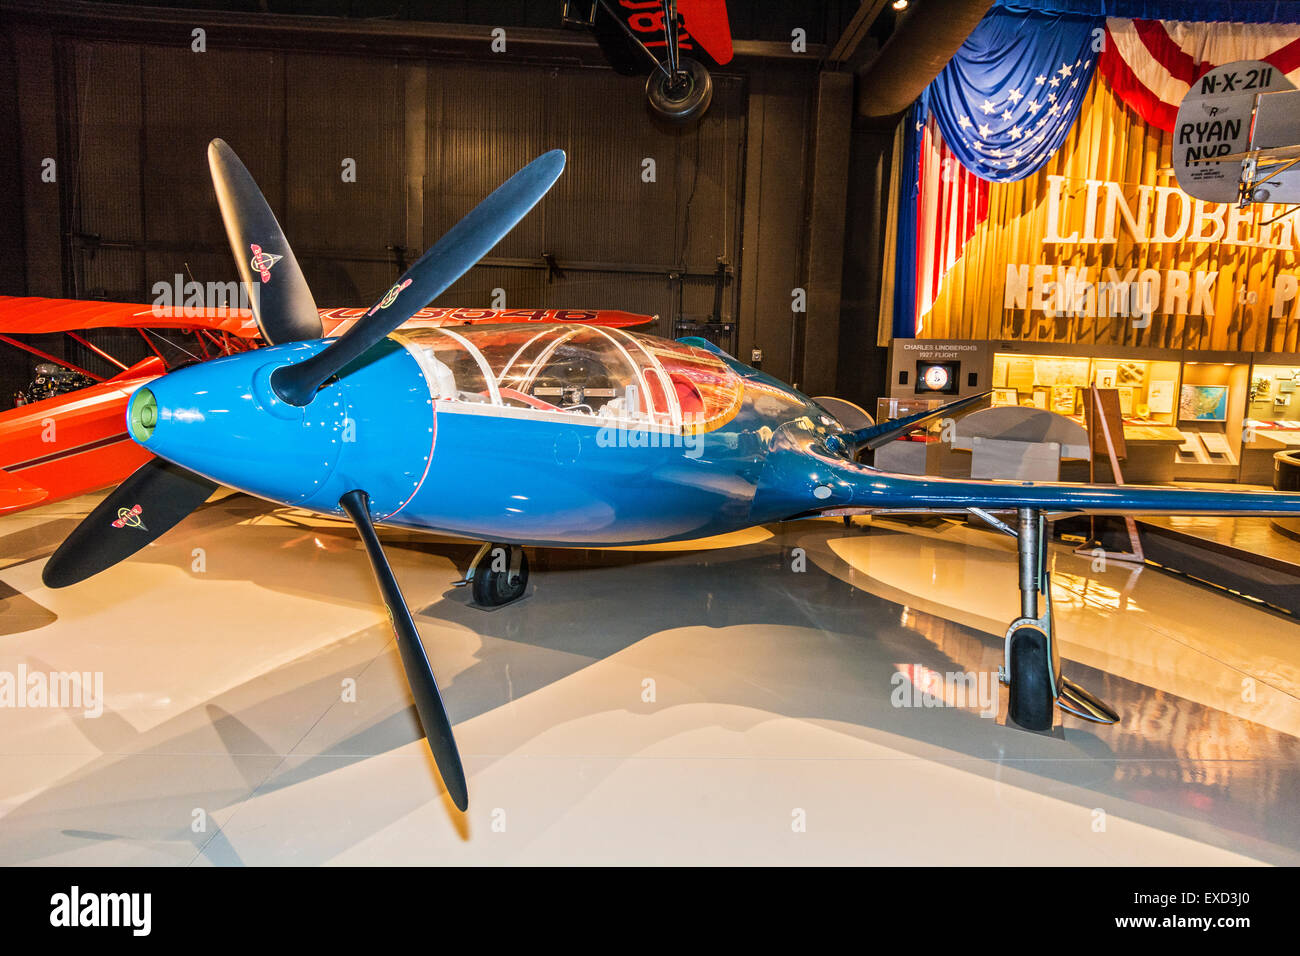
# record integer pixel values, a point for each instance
(16, 494)
(73, 443)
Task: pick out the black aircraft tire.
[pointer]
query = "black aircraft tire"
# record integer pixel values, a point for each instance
(680, 106)
(1030, 703)
(494, 588)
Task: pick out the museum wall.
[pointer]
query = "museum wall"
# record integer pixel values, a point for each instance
(128, 122)
(1208, 292)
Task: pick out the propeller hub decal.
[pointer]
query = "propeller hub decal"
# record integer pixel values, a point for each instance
(129, 518)
(262, 262)
(390, 296)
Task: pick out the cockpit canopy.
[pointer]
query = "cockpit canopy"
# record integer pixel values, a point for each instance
(571, 370)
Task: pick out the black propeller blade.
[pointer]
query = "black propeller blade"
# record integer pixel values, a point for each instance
(282, 303)
(152, 501)
(419, 675)
(450, 258)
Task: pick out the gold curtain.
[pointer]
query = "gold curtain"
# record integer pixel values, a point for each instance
(1111, 143)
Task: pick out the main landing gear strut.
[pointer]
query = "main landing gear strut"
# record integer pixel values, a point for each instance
(1032, 669)
(497, 575)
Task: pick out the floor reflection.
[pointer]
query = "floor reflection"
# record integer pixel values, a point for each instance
(813, 624)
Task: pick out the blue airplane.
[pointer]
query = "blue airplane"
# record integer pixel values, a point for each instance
(545, 435)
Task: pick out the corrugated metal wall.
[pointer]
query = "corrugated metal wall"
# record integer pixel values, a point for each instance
(142, 210)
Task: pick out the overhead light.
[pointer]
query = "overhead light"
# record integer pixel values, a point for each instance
(899, 5)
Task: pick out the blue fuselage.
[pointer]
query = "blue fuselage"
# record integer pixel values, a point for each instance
(482, 471)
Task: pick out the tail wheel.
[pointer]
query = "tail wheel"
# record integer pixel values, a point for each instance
(497, 580)
(1031, 700)
(681, 98)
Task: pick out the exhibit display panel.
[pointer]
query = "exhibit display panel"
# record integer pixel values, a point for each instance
(1211, 411)
(1190, 415)
(1058, 383)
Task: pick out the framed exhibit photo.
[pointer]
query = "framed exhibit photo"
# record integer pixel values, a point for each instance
(1063, 399)
(1005, 396)
(1160, 397)
(1203, 403)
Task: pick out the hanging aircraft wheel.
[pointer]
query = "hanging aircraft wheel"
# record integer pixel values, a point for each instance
(501, 577)
(1031, 700)
(683, 98)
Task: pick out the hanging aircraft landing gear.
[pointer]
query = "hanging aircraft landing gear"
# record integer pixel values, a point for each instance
(682, 95)
(1032, 665)
(497, 575)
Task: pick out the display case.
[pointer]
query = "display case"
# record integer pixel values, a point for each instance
(1058, 383)
(1211, 411)
(919, 453)
(1272, 422)
(1188, 414)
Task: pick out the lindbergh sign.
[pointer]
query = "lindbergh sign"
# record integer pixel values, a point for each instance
(1099, 212)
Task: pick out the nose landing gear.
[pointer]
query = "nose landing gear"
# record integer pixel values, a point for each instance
(498, 575)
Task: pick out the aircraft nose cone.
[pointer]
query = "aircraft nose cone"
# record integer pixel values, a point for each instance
(142, 415)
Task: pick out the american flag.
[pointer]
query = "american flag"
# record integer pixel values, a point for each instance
(1151, 64)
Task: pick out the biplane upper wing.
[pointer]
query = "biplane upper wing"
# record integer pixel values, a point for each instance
(338, 321)
(705, 32)
(706, 21)
(33, 315)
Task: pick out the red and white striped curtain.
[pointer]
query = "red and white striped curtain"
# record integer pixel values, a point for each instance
(951, 202)
(1151, 64)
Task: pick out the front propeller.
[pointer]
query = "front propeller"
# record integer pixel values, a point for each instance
(245, 400)
(450, 258)
(282, 303)
(155, 498)
(419, 675)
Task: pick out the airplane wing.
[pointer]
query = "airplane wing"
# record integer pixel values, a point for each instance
(867, 487)
(706, 21)
(705, 32)
(35, 315)
(1237, 112)
(16, 494)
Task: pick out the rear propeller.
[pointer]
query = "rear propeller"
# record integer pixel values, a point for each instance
(160, 494)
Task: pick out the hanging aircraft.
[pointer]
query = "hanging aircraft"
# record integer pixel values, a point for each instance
(543, 435)
(1237, 136)
(678, 88)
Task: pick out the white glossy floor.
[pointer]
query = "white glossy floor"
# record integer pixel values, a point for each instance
(692, 705)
